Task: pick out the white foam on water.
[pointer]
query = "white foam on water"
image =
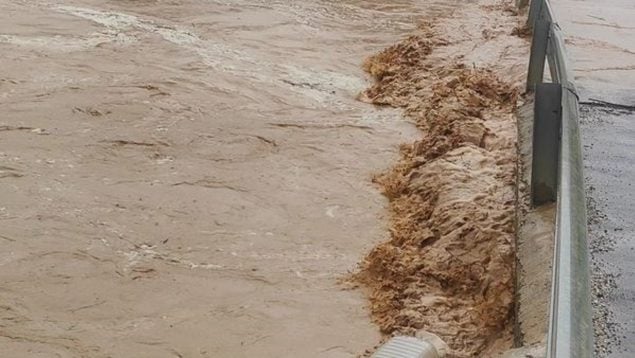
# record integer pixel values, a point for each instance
(317, 85)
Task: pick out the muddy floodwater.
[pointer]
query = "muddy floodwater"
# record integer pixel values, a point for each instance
(191, 178)
(204, 178)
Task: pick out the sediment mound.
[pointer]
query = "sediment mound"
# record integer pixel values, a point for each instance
(448, 267)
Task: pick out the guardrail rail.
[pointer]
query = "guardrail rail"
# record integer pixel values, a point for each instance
(557, 176)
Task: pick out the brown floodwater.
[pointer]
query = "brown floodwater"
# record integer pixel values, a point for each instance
(191, 178)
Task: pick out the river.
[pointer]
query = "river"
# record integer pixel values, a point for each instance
(191, 178)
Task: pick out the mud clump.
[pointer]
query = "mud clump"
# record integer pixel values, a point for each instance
(448, 266)
(397, 64)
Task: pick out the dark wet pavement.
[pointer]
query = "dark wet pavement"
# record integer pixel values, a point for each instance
(609, 141)
(600, 39)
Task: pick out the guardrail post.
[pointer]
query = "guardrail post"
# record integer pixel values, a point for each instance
(534, 12)
(521, 3)
(546, 143)
(557, 174)
(538, 55)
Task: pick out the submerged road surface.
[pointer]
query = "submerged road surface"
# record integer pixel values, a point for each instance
(601, 40)
(190, 178)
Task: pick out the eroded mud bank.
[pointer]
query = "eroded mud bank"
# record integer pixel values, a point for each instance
(448, 267)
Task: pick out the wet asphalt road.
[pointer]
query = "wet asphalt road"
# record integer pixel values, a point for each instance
(609, 141)
(600, 38)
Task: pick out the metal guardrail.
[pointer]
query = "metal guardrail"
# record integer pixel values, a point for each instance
(557, 176)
